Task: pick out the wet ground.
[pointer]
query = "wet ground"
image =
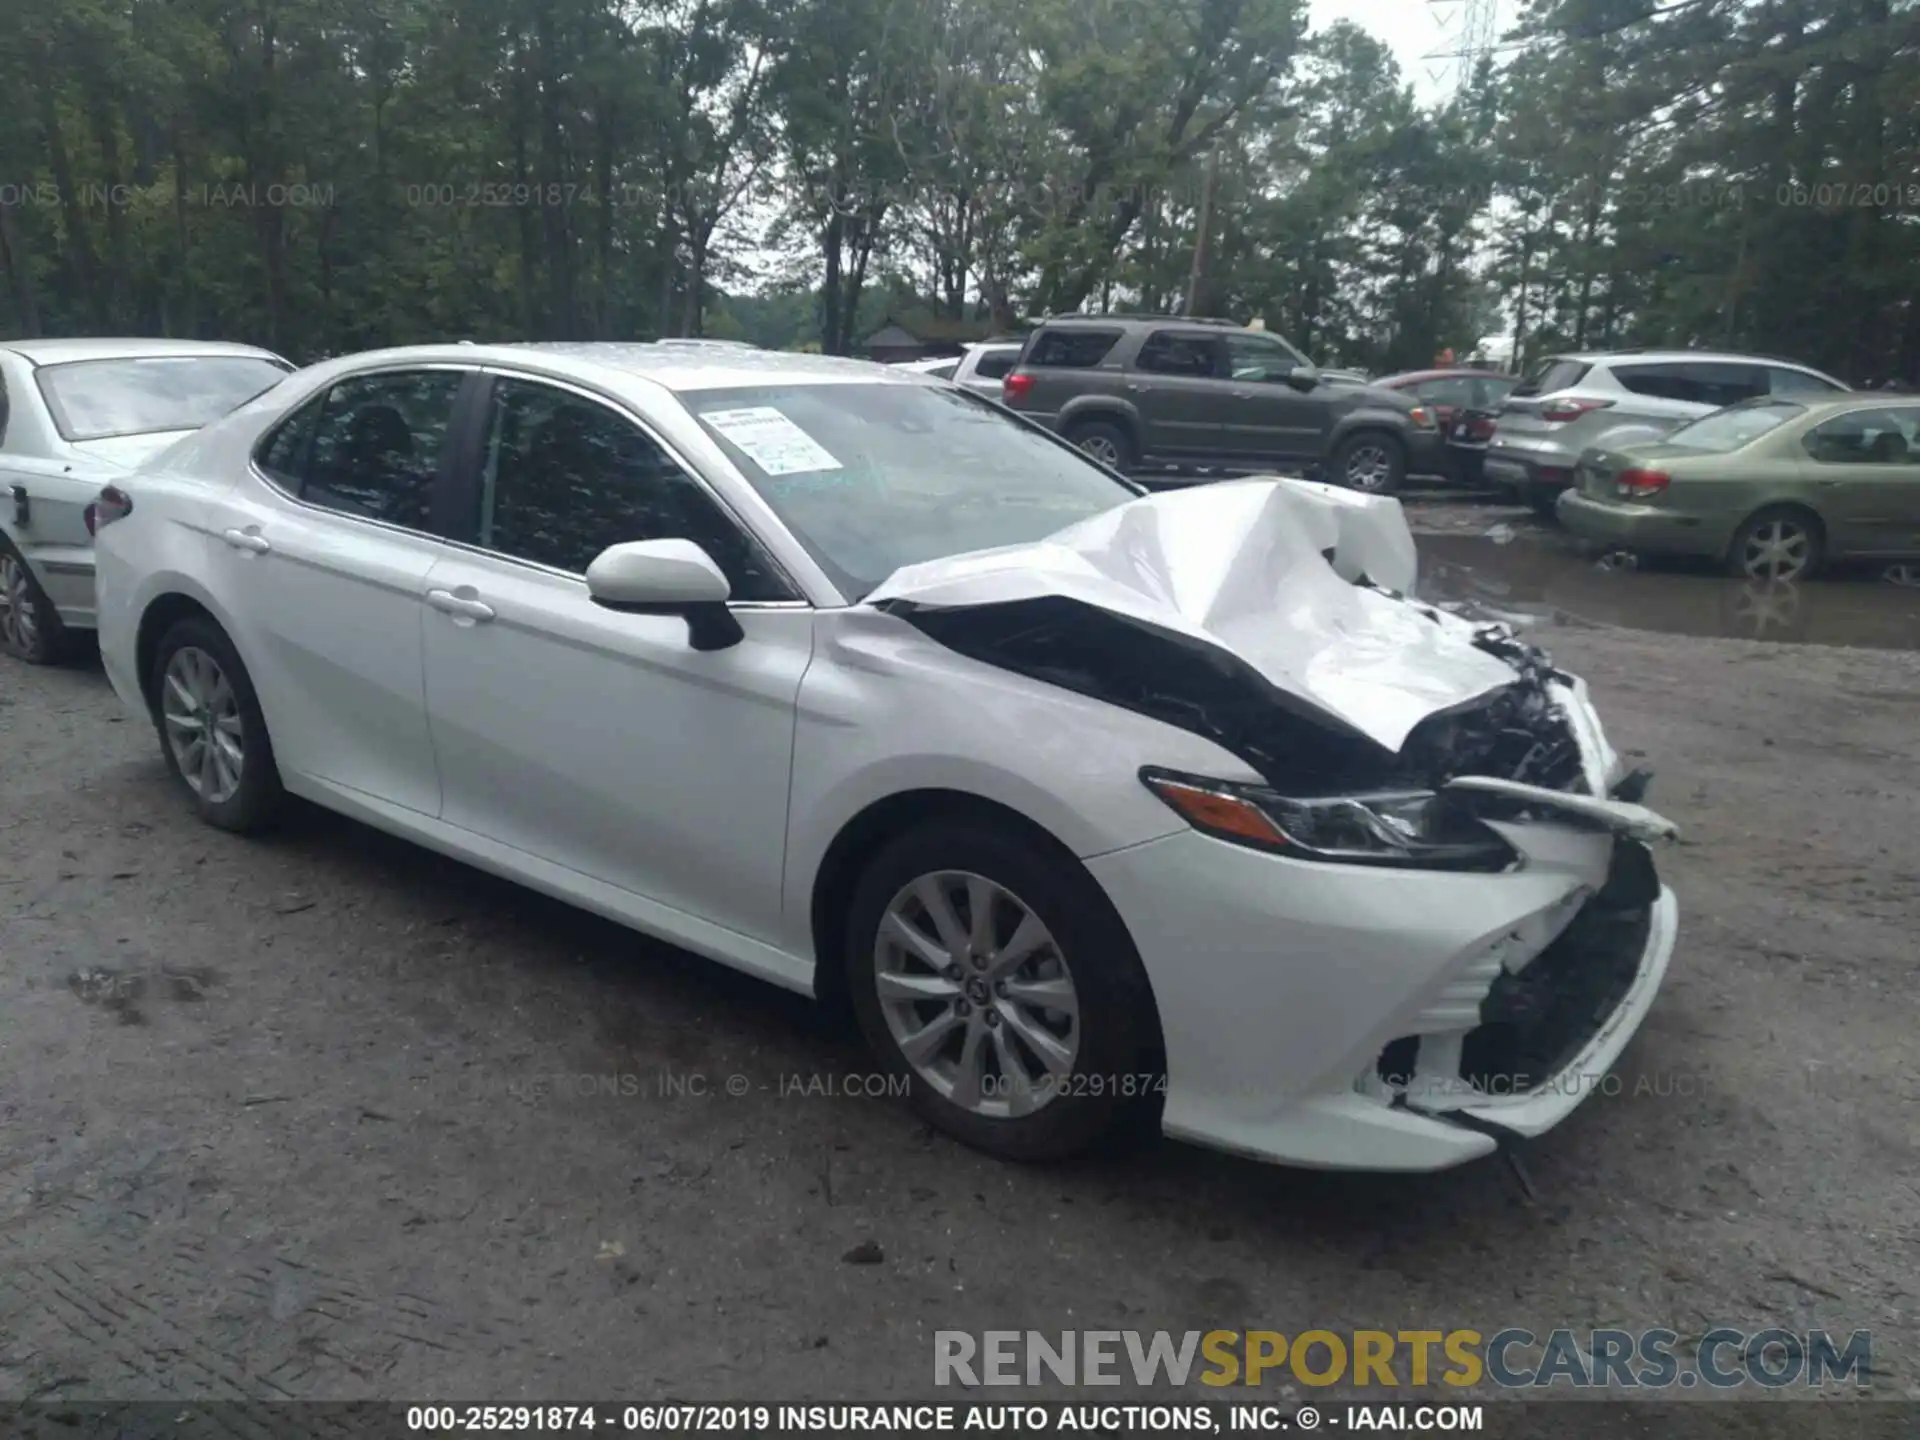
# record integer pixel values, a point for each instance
(1504, 562)
(322, 1115)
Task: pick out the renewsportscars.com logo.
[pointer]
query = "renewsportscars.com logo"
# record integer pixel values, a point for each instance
(1723, 1358)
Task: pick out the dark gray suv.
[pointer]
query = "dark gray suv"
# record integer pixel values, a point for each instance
(1149, 392)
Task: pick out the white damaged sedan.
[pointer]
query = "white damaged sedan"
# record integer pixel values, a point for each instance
(1081, 799)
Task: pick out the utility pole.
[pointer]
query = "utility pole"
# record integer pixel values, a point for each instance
(1200, 238)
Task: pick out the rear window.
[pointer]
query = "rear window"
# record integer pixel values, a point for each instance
(1725, 431)
(997, 365)
(100, 399)
(1554, 375)
(1074, 349)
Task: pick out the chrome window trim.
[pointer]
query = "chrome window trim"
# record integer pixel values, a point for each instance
(626, 411)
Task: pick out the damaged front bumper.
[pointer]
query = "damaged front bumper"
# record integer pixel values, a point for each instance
(1343, 1018)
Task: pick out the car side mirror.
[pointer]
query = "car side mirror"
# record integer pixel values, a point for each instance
(667, 577)
(1302, 378)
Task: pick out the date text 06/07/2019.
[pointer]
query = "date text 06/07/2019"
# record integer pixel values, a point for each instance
(933, 1419)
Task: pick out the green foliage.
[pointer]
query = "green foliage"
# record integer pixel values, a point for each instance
(326, 175)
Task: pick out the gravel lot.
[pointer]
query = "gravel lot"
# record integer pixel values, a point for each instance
(302, 1117)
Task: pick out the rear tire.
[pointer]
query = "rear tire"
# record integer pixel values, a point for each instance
(211, 730)
(962, 1020)
(30, 627)
(1106, 442)
(1371, 462)
(1779, 545)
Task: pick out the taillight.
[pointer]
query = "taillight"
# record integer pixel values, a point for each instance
(1480, 429)
(1559, 411)
(1015, 386)
(1422, 417)
(1638, 484)
(113, 504)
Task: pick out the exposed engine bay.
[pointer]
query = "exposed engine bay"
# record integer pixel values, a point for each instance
(1518, 732)
(1273, 617)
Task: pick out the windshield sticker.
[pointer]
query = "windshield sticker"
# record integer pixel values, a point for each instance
(773, 442)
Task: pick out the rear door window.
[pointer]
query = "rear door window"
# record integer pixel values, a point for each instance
(1662, 382)
(1867, 437)
(372, 446)
(1695, 382)
(1074, 349)
(1178, 352)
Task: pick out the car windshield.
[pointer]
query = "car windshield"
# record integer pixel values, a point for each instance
(100, 399)
(1727, 430)
(871, 477)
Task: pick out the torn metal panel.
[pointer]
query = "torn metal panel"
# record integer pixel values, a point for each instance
(1240, 566)
(1267, 616)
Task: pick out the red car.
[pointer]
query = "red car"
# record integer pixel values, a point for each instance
(1463, 402)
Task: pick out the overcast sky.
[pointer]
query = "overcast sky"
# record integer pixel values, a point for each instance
(1413, 30)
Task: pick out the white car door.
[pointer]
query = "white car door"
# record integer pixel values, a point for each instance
(322, 565)
(602, 741)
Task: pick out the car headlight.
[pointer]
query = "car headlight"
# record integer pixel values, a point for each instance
(1417, 829)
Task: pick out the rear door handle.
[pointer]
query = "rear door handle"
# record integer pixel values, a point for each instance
(460, 605)
(249, 540)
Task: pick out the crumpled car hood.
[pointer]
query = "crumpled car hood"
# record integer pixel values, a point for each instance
(1287, 579)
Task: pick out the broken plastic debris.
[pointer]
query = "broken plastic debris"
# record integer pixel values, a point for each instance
(1501, 534)
(1618, 560)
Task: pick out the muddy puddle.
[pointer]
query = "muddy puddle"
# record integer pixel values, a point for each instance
(1533, 576)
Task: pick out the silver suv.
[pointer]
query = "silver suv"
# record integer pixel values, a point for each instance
(1618, 398)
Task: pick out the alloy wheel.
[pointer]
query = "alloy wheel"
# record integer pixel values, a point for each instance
(203, 724)
(1780, 549)
(19, 619)
(1369, 467)
(976, 994)
(1102, 449)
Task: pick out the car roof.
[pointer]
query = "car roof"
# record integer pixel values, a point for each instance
(1674, 357)
(674, 367)
(1108, 322)
(60, 352)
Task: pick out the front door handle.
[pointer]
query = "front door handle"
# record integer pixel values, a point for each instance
(465, 607)
(250, 540)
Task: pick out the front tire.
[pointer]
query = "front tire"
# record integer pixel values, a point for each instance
(212, 732)
(1370, 462)
(30, 627)
(995, 978)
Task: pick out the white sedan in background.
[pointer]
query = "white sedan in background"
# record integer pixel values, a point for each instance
(74, 413)
(1081, 799)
